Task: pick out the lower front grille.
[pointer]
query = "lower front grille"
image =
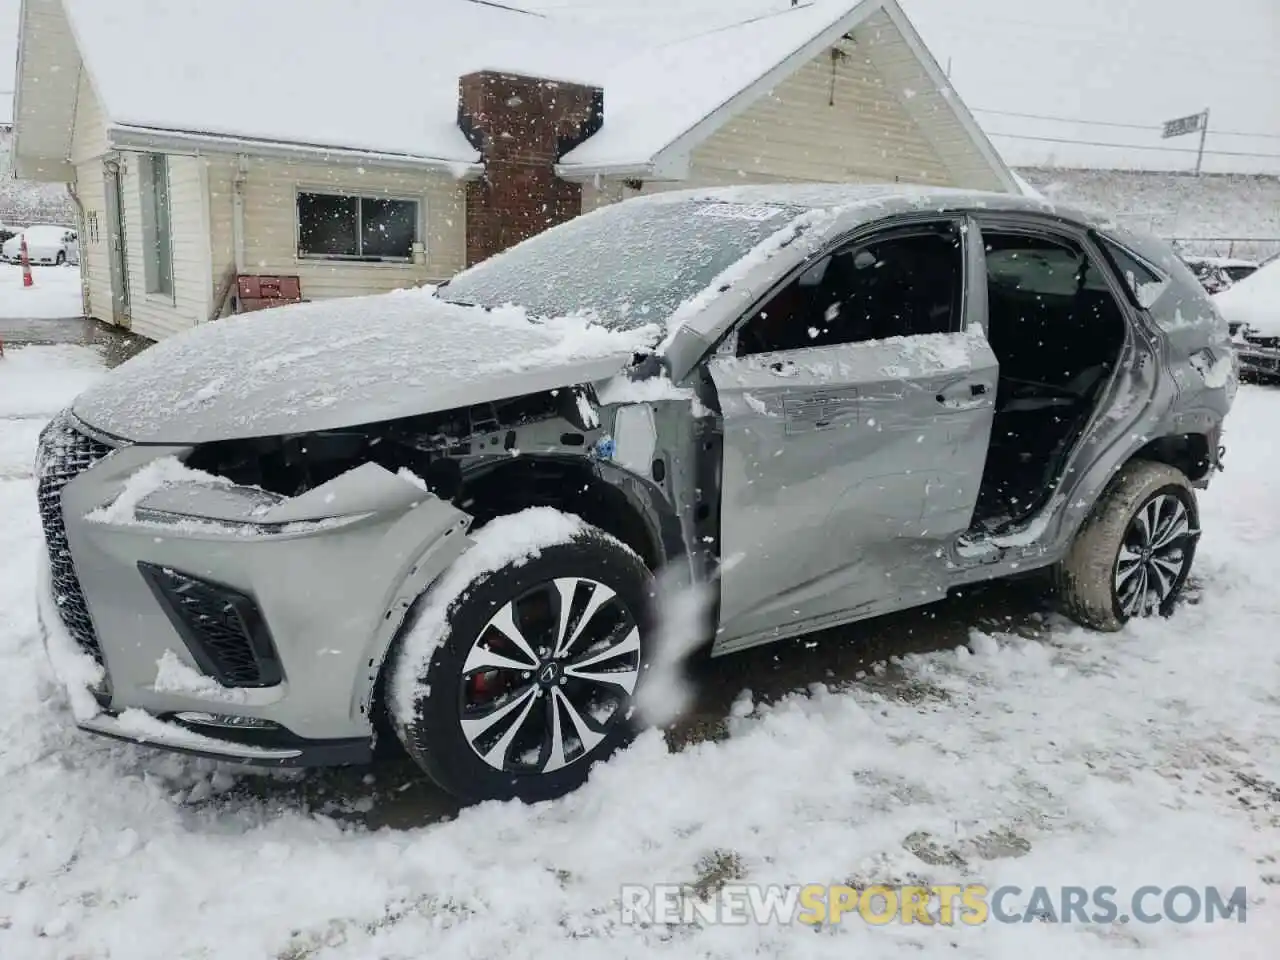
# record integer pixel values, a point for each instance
(222, 627)
(62, 455)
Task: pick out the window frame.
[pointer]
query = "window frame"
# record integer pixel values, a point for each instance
(1110, 247)
(1055, 231)
(158, 284)
(727, 345)
(419, 225)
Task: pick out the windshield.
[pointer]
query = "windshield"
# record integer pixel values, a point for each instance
(630, 264)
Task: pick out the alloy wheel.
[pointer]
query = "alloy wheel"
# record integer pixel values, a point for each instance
(1155, 556)
(548, 676)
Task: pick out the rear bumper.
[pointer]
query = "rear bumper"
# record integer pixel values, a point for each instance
(1258, 361)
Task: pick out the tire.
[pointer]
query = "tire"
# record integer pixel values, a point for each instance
(442, 704)
(60, 259)
(1100, 586)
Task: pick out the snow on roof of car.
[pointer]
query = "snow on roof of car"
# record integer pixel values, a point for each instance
(875, 198)
(383, 77)
(1254, 301)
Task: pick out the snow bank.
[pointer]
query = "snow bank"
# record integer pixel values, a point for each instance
(55, 294)
(39, 381)
(1254, 301)
(509, 540)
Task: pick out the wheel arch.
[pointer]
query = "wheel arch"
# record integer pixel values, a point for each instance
(622, 504)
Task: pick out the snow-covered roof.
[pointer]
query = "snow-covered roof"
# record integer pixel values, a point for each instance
(382, 77)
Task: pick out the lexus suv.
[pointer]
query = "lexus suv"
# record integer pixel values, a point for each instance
(440, 514)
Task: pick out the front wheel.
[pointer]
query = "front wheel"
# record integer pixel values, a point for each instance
(1132, 556)
(60, 259)
(511, 682)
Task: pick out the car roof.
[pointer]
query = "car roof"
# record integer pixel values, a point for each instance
(864, 202)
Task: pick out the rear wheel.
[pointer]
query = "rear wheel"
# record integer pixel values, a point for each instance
(1133, 555)
(533, 683)
(60, 259)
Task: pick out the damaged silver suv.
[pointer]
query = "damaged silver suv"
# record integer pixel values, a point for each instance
(440, 513)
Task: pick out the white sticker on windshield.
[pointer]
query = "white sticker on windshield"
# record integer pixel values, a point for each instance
(755, 212)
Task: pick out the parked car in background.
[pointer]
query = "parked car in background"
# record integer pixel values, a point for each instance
(1219, 273)
(1252, 310)
(46, 243)
(823, 403)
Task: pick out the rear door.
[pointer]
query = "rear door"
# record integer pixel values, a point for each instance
(857, 410)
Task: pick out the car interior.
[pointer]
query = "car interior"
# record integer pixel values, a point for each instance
(1053, 324)
(1058, 333)
(900, 285)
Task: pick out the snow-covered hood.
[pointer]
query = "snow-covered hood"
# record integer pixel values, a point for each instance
(339, 363)
(1254, 301)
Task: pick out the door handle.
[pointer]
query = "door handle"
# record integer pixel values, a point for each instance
(783, 368)
(965, 396)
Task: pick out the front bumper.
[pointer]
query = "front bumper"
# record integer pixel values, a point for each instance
(329, 588)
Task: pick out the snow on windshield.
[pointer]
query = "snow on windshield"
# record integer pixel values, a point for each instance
(630, 264)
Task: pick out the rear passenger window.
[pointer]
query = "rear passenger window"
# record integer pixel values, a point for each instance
(901, 285)
(1145, 284)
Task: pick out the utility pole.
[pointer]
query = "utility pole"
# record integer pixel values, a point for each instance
(1204, 134)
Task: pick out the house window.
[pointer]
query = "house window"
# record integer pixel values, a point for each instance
(157, 236)
(356, 228)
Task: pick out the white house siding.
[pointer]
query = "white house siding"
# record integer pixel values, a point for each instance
(809, 128)
(88, 144)
(930, 106)
(270, 224)
(89, 133)
(95, 267)
(157, 315)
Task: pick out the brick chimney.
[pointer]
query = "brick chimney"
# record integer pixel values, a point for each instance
(521, 126)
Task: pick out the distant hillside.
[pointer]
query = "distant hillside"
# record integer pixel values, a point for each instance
(23, 202)
(1213, 214)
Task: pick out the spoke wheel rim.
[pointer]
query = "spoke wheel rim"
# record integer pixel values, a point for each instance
(548, 677)
(1155, 557)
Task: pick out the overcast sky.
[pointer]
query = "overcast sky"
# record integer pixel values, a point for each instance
(1122, 61)
(1137, 62)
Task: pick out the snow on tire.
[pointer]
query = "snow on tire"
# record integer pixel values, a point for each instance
(517, 671)
(1133, 554)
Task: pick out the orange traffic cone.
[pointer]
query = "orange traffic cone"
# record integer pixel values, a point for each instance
(27, 279)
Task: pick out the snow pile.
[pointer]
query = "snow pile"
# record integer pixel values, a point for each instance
(54, 295)
(39, 381)
(174, 676)
(1254, 301)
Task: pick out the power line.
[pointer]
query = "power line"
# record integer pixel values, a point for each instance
(1108, 123)
(1134, 146)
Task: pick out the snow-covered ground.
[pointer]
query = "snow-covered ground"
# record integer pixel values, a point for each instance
(1148, 757)
(55, 294)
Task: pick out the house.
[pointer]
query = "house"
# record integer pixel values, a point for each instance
(362, 148)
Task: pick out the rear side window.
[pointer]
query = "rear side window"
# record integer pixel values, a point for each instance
(1142, 280)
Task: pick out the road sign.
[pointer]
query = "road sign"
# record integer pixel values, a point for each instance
(1184, 125)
